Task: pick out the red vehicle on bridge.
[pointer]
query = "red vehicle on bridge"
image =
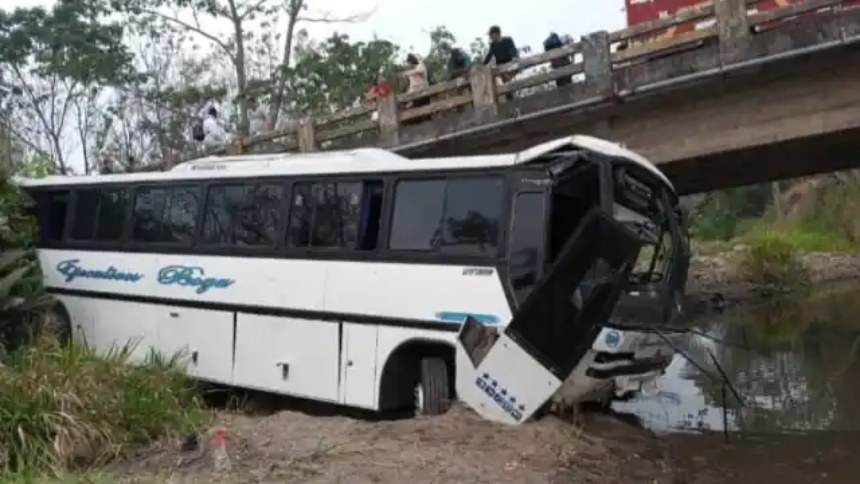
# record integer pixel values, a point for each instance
(640, 11)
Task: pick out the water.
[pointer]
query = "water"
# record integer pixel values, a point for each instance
(794, 361)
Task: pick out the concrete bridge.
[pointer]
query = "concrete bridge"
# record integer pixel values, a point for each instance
(745, 97)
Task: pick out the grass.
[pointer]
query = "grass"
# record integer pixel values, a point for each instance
(771, 261)
(67, 407)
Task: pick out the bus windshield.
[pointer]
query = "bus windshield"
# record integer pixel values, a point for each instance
(642, 207)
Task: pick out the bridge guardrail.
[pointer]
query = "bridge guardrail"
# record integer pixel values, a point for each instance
(729, 23)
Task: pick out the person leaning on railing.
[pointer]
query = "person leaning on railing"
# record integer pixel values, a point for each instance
(503, 50)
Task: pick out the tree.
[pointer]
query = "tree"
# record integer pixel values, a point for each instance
(334, 74)
(248, 21)
(47, 59)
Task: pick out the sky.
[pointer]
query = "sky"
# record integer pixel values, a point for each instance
(408, 22)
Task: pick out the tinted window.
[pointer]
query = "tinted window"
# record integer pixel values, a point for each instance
(459, 216)
(86, 209)
(149, 208)
(111, 214)
(526, 242)
(473, 208)
(243, 214)
(180, 219)
(51, 210)
(325, 214)
(165, 215)
(418, 211)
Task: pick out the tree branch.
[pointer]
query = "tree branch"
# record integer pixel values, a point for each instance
(328, 19)
(252, 9)
(195, 29)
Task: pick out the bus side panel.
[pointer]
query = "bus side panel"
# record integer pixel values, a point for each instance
(82, 314)
(203, 338)
(359, 368)
(287, 355)
(416, 291)
(118, 324)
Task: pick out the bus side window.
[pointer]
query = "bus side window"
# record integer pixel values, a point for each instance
(86, 208)
(370, 216)
(245, 215)
(165, 215)
(111, 214)
(457, 216)
(325, 215)
(526, 242)
(51, 210)
(149, 205)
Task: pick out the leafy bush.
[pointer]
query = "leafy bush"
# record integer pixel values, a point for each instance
(771, 261)
(65, 406)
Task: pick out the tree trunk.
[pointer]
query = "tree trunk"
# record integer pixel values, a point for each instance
(777, 200)
(241, 79)
(278, 98)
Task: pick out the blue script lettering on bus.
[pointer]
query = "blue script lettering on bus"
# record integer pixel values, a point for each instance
(191, 276)
(71, 270)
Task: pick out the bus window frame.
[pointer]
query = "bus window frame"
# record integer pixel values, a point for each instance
(431, 256)
(221, 249)
(340, 253)
(139, 246)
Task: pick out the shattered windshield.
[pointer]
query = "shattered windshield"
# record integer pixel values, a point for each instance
(641, 208)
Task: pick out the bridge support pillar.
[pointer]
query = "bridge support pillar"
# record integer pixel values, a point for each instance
(483, 85)
(597, 64)
(307, 135)
(733, 29)
(389, 121)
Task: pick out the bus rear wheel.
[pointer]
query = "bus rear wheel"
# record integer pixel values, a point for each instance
(433, 391)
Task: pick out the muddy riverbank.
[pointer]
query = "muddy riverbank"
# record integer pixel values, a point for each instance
(293, 446)
(712, 283)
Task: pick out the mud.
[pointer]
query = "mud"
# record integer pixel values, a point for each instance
(293, 446)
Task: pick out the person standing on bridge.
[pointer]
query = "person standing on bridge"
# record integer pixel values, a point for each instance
(503, 50)
(214, 136)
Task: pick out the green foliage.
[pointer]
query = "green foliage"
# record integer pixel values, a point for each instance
(70, 41)
(723, 215)
(335, 73)
(65, 406)
(771, 261)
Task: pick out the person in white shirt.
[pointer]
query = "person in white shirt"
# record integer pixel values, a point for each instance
(258, 119)
(214, 135)
(415, 73)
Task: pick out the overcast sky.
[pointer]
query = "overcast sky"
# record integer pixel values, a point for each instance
(407, 22)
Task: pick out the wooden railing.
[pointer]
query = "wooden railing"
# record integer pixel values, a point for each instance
(727, 23)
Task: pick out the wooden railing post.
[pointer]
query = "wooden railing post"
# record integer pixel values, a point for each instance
(733, 28)
(597, 64)
(307, 135)
(483, 85)
(389, 120)
(236, 146)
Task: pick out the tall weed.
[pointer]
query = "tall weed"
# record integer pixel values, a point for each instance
(65, 406)
(771, 261)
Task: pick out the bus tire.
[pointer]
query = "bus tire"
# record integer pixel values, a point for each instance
(57, 323)
(433, 392)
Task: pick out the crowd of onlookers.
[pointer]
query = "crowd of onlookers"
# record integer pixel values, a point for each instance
(209, 130)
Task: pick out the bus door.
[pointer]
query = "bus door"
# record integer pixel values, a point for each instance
(508, 376)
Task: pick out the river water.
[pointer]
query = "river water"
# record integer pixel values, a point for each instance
(795, 364)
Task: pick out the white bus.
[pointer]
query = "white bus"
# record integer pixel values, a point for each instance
(345, 277)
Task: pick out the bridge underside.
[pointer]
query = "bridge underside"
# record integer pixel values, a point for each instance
(774, 120)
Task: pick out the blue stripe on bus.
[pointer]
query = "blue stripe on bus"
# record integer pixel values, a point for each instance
(456, 317)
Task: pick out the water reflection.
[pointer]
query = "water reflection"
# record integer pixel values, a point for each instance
(794, 361)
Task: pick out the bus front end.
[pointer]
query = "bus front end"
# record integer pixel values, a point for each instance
(593, 323)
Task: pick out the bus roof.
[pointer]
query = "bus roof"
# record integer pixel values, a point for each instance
(362, 160)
